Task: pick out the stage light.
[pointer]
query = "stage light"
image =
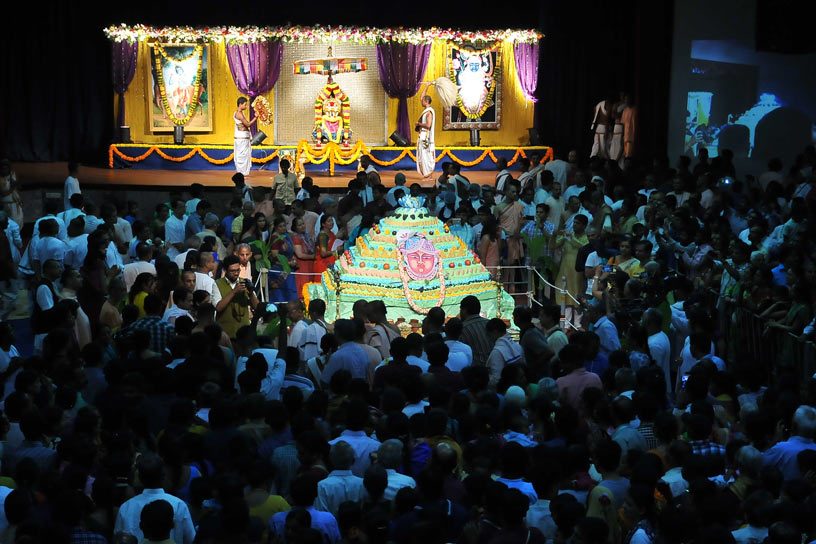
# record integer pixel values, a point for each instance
(399, 140)
(259, 137)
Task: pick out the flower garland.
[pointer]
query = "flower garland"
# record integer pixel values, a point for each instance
(199, 50)
(407, 291)
(488, 101)
(315, 34)
(262, 109)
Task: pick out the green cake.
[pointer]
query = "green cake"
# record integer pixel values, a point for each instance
(411, 262)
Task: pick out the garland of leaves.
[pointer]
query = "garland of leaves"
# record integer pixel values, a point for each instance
(407, 291)
(488, 101)
(158, 55)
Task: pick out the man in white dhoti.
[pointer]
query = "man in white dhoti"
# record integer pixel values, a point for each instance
(426, 151)
(243, 146)
(602, 126)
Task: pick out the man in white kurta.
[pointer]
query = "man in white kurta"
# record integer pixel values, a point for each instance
(426, 150)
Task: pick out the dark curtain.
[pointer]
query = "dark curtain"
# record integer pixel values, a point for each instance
(593, 49)
(56, 97)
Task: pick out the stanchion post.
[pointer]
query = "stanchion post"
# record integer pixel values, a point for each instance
(564, 300)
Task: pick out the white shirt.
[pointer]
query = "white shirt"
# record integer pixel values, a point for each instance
(455, 347)
(130, 514)
(521, 485)
(77, 251)
(390, 196)
(660, 348)
(417, 408)
(559, 169)
(173, 312)
(71, 187)
(206, 283)
(7, 356)
(423, 365)
(190, 206)
(540, 517)
(363, 447)
(45, 300)
(750, 535)
(123, 231)
(63, 232)
(296, 336)
(310, 341)
(69, 215)
(674, 479)
(113, 257)
(338, 487)
(276, 370)
(180, 258)
(50, 248)
(91, 223)
(15, 239)
(572, 190)
(131, 270)
(174, 234)
(396, 481)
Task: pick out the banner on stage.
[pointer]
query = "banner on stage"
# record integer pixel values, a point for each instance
(477, 75)
(178, 87)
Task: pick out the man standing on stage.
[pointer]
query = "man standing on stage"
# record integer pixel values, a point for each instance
(602, 125)
(426, 151)
(243, 137)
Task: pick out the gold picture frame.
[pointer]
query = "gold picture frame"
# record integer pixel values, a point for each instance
(186, 76)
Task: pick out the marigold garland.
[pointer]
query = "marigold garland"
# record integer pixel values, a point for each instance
(199, 50)
(334, 156)
(488, 101)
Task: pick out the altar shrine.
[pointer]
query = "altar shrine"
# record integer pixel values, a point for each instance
(177, 88)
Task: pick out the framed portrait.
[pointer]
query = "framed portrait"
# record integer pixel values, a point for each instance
(179, 87)
(477, 75)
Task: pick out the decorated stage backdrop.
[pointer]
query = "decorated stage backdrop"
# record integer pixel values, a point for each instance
(481, 58)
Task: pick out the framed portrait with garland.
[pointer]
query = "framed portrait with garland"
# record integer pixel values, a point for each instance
(178, 90)
(477, 75)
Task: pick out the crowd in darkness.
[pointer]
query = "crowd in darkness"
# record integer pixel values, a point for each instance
(164, 402)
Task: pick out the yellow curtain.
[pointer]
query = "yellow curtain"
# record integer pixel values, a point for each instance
(516, 112)
(223, 95)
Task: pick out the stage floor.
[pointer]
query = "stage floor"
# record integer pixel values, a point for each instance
(53, 174)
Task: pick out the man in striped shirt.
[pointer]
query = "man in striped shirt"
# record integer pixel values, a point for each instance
(474, 330)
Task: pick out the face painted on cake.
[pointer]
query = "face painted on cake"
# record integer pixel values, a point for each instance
(420, 256)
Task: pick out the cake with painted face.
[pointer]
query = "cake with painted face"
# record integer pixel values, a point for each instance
(412, 262)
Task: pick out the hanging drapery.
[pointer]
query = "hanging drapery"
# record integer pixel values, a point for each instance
(123, 56)
(255, 68)
(526, 55)
(401, 67)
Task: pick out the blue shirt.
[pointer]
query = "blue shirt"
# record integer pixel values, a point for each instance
(322, 521)
(521, 485)
(783, 456)
(363, 447)
(350, 356)
(608, 333)
(130, 514)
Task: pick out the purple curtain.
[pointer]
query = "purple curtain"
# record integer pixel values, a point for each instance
(401, 67)
(123, 55)
(255, 68)
(527, 68)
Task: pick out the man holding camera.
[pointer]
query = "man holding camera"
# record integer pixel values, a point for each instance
(237, 297)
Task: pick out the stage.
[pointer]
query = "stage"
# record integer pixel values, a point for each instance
(52, 176)
(328, 159)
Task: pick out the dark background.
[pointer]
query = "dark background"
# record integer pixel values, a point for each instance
(55, 78)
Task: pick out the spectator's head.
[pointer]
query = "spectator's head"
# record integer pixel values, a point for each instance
(151, 471)
(607, 456)
(804, 422)
(157, 521)
(389, 454)
(453, 328)
(304, 491)
(469, 307)
(496, 328)
(317, 308)
(341, 455)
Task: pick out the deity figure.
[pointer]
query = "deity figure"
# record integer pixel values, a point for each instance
(419, 256)
(474, 77)
(331, 115)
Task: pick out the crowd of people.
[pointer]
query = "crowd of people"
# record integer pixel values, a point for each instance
(164, 402)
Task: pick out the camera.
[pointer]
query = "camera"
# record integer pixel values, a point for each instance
(248, 284)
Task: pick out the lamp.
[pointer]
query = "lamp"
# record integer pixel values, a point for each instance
(475, 137)
(178, 134)
(399, 140)
(259, 137)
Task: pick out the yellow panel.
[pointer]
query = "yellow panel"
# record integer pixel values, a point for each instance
(223, 94)
(517, 113)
